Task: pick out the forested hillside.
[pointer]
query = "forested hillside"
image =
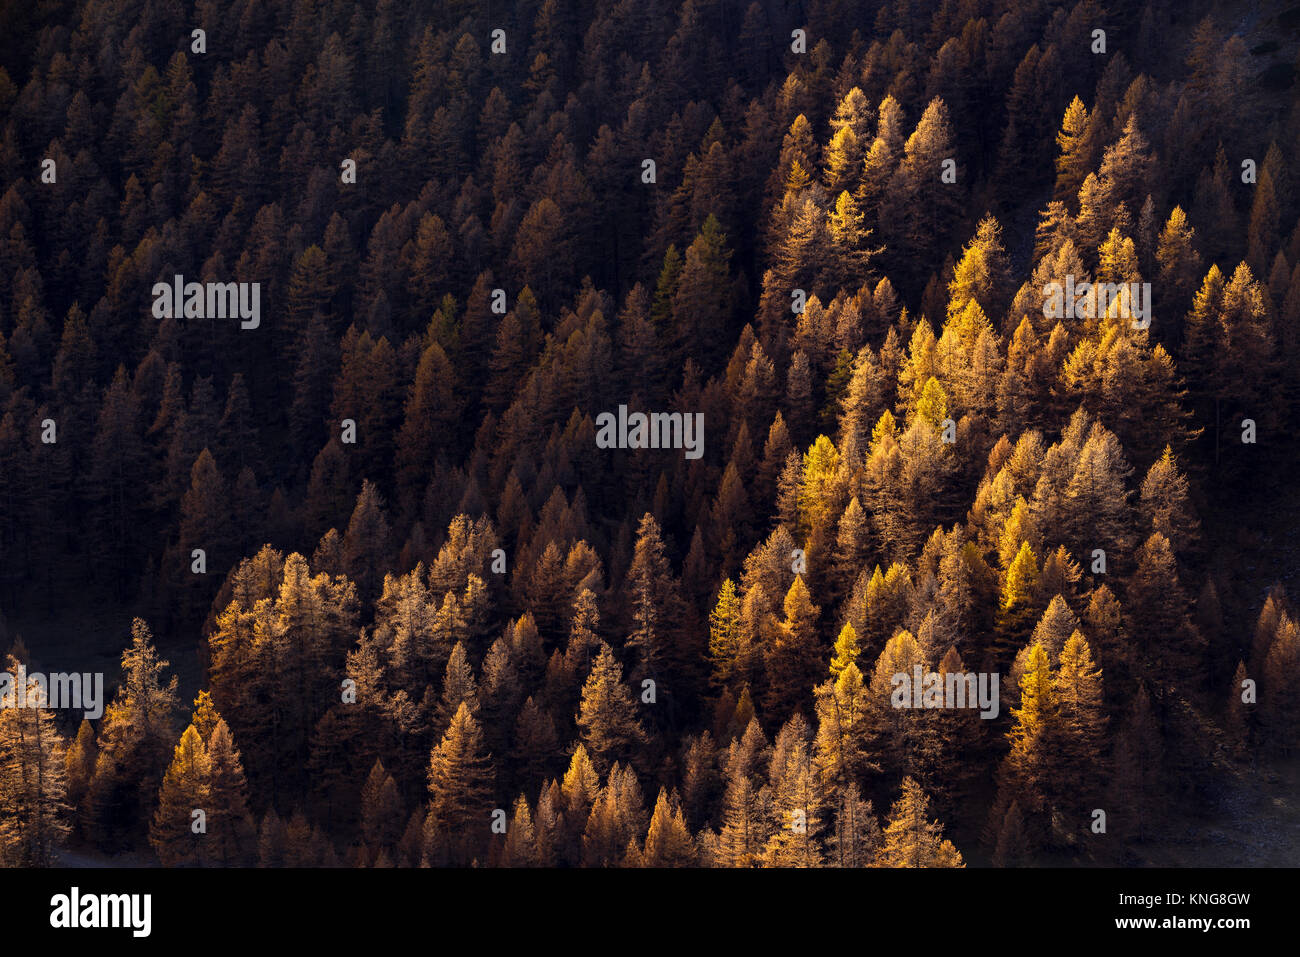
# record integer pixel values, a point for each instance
(443, 612)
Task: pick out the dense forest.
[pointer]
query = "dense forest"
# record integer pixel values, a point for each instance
(378, 589)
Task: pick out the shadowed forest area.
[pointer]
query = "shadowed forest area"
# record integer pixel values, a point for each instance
(988, 312)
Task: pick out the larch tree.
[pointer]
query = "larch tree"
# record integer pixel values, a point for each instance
(841, 743)
(458, 687)
(926, 201)
(1166, 506)
(1161, 625)
(135, 743)
(910, 839)
(34, 810)
(1238, 718)
(463, 593)
(668, 842)
(460, 779)
(1076, 141)
(205, 716)
(701, 304)
(521, 838)
(608, 718)
(1019, 599)
(1280, 702)
(430, 415)
(617, 818)
(81, 758)
(1034, 737)
(1137, 790)
(793, 657)
(656, 607)
(579, 789)
(231, 839)
(1081, 743)
(205, 525)
(854, 839)
(179, 830)
(366, 545)
(725, 636)
(798, 801)
(1013, 846)
(746, 819)
(1179, 265)
(847, 651)
(1096, 513)
(381, 808)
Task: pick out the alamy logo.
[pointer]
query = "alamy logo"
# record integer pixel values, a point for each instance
(1088, 300)
(950, 690)
(656, 430)
(212, 300)
(55, 691)
(73, 910)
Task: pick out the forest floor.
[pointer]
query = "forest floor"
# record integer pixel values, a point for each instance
(1256, 824)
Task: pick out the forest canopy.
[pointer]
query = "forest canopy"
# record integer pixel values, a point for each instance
(324, 328)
